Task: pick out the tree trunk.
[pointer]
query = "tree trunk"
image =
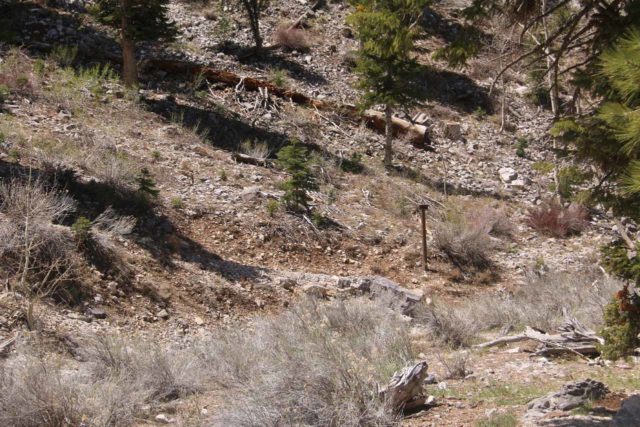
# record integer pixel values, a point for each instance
(129, 63)
(388, 136)
(255, 28)
(252, 8)
(552, 77)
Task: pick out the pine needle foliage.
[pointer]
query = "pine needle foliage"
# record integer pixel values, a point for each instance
(610, 137)
(386, 30)
(149, 18)
(294, 158)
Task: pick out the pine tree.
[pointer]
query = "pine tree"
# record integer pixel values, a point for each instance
(386, 30)
(294, 158)
(610, 137)
(137, 20)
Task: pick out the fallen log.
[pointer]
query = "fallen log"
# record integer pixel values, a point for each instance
(405, 387)
(230, 79)
(244, 158)
(573, 337)
(416, 133)
(375, 119)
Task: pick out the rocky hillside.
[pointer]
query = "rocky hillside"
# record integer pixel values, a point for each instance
(158, 214)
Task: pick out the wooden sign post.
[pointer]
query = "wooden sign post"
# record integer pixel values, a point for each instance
(423, 210)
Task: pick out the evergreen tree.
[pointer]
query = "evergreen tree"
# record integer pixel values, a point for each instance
(137, 20)
(386, 30)
(610, 137)
(294, 158)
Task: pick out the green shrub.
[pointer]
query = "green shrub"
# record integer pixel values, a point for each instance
(177, 203)
(543, 167)
(146, 184)
(616, 260)
(319, 220)
(621, 325)
(294, 158)
(521, 145)
(480, 113)
(352, 164)
(568, 178)
(279, 77)
(65, 56)
(81, 229)
(272, 207)
(39, 66)
(4, 93)
(499, 420)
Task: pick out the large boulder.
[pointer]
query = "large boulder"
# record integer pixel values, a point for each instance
(570, 397)
(629, 413)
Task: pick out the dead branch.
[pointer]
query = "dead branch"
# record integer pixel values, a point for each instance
(573, 337)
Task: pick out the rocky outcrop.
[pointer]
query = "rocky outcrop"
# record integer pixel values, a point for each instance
(570, 397)
(378, 287)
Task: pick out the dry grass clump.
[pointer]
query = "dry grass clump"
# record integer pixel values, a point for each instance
(36, 253)
(16, 74)
(464, 244)
(553, 219)
(35, 392)
(291, 37)
(538, 303)
(152, 373)
(317, 364)
(466, 234)
(455, 364)
(110, 389)
(313, 365)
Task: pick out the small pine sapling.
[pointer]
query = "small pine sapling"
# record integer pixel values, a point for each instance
(294, 158)
(146, 184)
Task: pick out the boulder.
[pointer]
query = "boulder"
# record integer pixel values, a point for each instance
(570, 397)
(629, 413)
(507, 175)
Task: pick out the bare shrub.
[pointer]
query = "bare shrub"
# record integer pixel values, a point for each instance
(111, 223)
(258, 150)
(110, 389)
(317, 364)
(468, 232)
(111, 167)
(538, 303)
(35, 393)
(455, 364)
(291, 37)
(464, 244)
(492, 221)
(313, 365)
(555, 220)
(150, 372)
(445, 324)
(36, 253)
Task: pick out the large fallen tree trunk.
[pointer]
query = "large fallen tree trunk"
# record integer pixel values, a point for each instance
(573, 337)
(417, 134)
